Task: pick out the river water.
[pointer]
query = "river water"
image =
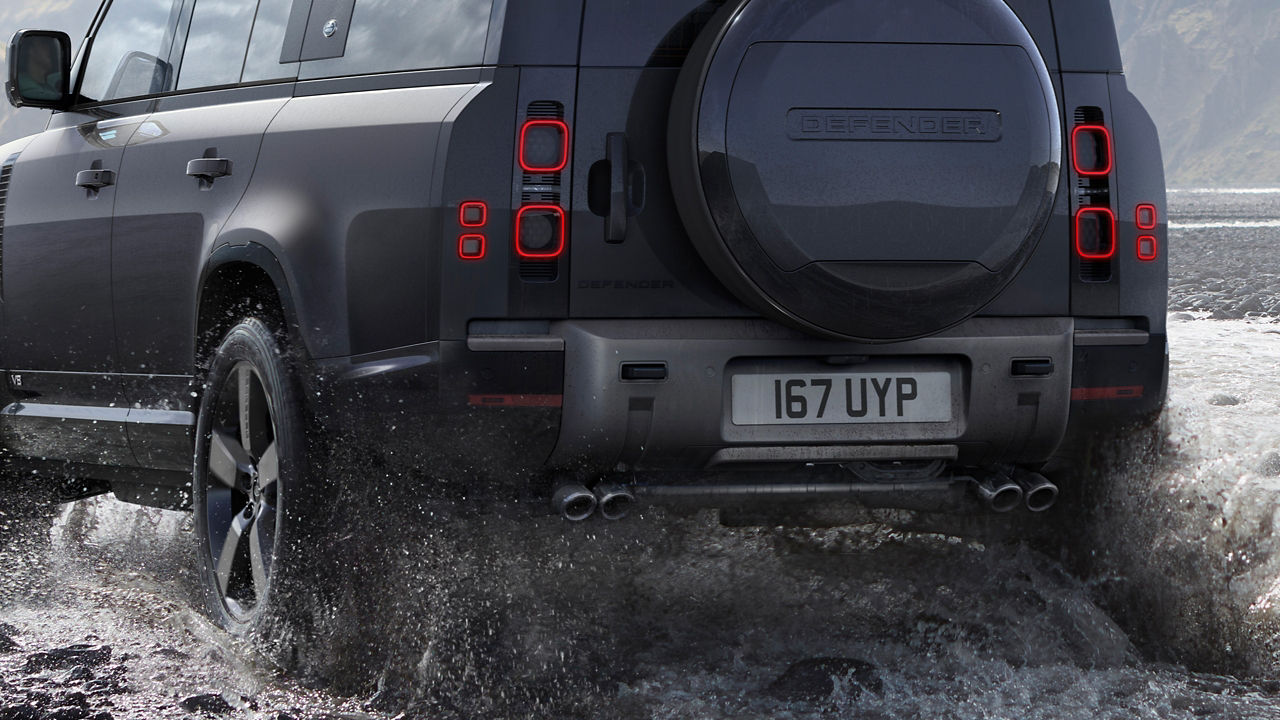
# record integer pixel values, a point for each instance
(1169, 606)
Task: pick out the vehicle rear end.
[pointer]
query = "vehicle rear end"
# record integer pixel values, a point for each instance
(766, 251)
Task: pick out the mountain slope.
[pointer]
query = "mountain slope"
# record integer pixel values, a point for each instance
(1209, 73)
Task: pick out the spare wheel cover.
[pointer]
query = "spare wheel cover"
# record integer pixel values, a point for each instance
(865, 169)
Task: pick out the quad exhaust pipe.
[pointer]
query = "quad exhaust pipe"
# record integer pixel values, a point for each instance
(1000, 493)
(576, 503)
(1039, 492)
(573, 501)
(615, 501)
(1003, 493)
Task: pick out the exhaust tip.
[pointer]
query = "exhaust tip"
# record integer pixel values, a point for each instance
(573, 501)
(1000, 494)
(615, 501)
(1040, 492)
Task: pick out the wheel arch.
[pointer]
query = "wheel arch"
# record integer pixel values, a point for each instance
(242, 274)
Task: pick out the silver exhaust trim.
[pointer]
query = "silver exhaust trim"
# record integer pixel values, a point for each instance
(1000, 493)
(574, 501)
(1039, 491)
(615, 501)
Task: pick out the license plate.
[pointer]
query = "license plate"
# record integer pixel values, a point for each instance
(888, 397)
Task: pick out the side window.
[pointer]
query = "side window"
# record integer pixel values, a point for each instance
(263, 60)
(216, 43)
(129, 56)
(391, 35)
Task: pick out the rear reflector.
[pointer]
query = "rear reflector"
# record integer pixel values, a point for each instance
(1095, 233)
(540, 231)
(1128, 392)
(1091, 150)
(1145, 217)
(1148, 248)
(544, 146)
(544, 401)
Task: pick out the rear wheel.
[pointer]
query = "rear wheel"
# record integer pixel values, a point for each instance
(250, 498)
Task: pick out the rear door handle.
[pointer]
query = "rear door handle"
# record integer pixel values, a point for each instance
(95, 179)
(615, 153)
(209, 169)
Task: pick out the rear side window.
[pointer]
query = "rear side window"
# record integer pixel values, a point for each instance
(642, 33)
(263, 60)
(391, 35)
(130, 52)
(216, 43)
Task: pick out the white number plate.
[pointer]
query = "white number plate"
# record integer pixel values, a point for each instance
(888, 397)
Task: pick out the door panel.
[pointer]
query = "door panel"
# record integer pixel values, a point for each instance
(167, 222)
(59, 342)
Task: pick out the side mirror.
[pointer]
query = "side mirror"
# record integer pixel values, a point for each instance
(39, 69)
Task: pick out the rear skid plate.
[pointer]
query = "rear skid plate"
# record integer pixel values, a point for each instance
(950, 494)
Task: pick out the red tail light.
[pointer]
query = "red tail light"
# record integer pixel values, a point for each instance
(540, 231)
(1145, 217)
(471, 247)
(1148, 248)
(1095, 233)
(544, 146)
(1091, 152)
(473, 214)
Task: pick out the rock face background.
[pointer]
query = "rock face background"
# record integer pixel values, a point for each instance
(1206, 69)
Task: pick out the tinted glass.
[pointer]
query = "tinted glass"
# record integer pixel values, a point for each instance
(389, 35)
(640, 33)
(263, 61)
(130, 53)
(216, 43)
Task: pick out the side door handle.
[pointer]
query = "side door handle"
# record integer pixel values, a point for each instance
(95, 179)
(209, 169)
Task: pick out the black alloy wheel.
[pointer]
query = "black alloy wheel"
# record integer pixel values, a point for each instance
(249, 458)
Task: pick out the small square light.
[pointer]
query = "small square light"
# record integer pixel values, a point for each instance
(1145, 217)
(473, 214)
(1148, 248)
(471, 247)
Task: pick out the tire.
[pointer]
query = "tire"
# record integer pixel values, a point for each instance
(250, 492)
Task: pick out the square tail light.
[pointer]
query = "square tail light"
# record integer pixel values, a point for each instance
(473, 214)
(1148, 248)
(1145, 217)
(1095, 233)
(544, 146)
(471, 247)
(540, 231)
(1091, 153)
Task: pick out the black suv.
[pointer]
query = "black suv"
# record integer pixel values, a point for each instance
(719, 253)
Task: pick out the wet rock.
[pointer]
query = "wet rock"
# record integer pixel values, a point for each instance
(1224, 400)
(1226, 314)
(71, 712)
(8, 645)
(172, 654)
(21, 712)
(1270, 465)
(79, 674)
(68, 657)
(815, 679)
(1182, 317)
(210, 703)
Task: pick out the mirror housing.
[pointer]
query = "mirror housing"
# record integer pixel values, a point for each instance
(39, 69)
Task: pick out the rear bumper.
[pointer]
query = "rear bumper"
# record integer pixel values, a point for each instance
(684, 421)
(501, 408)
